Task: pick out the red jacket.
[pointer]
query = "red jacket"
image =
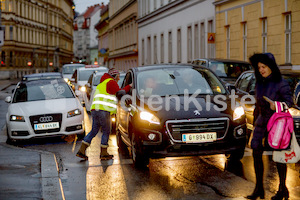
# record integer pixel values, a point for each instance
(112, 86)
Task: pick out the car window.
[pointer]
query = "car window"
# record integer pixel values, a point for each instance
(178, 81)
(69, 69)
(42, 90)
(84, 75)
(292, 79)
(127, 79)
(122, 76)
(229, 69)
(244, 81)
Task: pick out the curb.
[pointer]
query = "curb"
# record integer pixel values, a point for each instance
(50, 180)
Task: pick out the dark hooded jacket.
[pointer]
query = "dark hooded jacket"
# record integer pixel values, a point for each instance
(275, 88)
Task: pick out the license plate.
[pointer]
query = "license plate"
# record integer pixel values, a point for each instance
(46, 126)
(199, 137)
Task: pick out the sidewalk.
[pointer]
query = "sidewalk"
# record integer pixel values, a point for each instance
(26, 173)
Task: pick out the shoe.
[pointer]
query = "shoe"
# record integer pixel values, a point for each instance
(82, 149)
(104, 155)
(281, 194)
(258, 192)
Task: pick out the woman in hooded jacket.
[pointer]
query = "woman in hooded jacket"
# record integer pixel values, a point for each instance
(269, 83)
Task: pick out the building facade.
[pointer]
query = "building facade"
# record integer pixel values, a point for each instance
(85, 35)
(175, 31)
(102, 26)
(245, 27)
(38, 34)
(123, 34)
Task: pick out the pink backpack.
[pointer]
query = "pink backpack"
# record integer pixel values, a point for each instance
(280, 127)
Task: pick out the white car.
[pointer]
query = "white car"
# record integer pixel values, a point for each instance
(43, 108)
(68, 70)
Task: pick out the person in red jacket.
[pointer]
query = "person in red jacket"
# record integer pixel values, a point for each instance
(104, 104)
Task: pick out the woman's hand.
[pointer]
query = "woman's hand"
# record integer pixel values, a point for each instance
(271, 102)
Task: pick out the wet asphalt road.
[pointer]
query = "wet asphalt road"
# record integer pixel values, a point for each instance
(203, 177)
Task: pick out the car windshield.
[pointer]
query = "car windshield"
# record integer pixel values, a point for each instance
(178, 81)
(85, 74)
(42, 90)
(229, 69)
(69, 69)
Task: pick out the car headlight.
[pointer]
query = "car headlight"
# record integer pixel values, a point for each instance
(82, 88)
(67, 80)
(149, 117)
(294, 112)
(238, 112)
(17, 118)
(74, 113)
(113, 119)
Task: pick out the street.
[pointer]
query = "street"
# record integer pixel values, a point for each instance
(201, 177)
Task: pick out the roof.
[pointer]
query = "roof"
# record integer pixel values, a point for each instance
(223, 60)
(160, 66)
(38, 76)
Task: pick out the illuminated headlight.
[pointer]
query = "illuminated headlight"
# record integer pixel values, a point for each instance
(82, 88)
(238, 112)
(294, 112)
(74, 113)
(113, 119)
(17, 118)
(67, 80)
(149, 117)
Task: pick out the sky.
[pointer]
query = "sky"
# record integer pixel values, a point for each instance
(81, 5)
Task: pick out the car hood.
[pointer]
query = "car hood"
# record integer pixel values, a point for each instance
(170, 109)
(44, 107)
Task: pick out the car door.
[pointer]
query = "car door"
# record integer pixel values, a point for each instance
(123, 112)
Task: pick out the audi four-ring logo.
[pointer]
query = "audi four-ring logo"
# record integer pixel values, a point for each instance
(46, 119)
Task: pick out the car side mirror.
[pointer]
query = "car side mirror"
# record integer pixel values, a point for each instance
(88, 85)
(8, 99)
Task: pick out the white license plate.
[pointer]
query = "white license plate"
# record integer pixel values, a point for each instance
(46, 126)
(199, 137)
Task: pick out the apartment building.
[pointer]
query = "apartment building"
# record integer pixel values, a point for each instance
(38, 34)
(85, 34)
(244, 27)
(175, 31)
(123, 34)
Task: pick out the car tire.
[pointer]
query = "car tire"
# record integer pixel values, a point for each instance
(139, 156)
(122, 146)
(236, 155)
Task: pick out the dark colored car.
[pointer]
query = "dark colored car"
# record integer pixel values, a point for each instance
(246, 85)
(158, 121)
(46, 75)
(227, 69)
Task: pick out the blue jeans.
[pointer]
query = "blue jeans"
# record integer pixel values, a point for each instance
(101, 118)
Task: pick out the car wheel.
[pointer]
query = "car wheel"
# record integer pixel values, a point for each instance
(139, 157)
(236, 155)
(122, 146)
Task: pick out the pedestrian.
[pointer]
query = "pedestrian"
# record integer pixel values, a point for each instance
(269, 83)
(103, 106)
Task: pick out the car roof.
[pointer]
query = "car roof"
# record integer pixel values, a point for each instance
(92, 68)
(74, 64)
(282, 71)
(163, 66)
(222, 60)
(46, 75)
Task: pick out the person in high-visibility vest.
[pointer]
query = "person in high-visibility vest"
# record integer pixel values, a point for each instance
(104, 104)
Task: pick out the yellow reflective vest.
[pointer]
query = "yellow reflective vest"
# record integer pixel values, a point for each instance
(103, 100)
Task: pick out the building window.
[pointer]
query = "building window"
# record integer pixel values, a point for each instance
(170, 47)
(196, 41)
(228, 42)
(11, 33)
(210, 46)
(264, 35)
(245, 41)
(143, 52)
(202, 38)
(154, 5)
(149, 50)
(189, 44)
(155, 49)
(288, 31)
(179, 45)
(162, 48)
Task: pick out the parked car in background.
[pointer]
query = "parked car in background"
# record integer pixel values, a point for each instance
(68, 70)
(46, 75)
(80, 78)
(227, 69)
(177, 128)
(246, 85)
(43, 108)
